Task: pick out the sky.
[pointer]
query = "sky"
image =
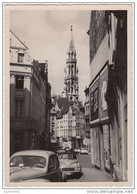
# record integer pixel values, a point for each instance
(47, 35)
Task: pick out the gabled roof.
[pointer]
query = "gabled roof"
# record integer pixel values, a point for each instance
(63, 104)
(75, 109)
(16, 42)
(80, 104)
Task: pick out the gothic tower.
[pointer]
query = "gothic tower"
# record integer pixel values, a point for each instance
(71, 72)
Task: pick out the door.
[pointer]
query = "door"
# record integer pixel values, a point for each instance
(106, 147)
(53, 169)
(96, 147)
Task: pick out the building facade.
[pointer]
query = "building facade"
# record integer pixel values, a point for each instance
(66, 122)
(86, 106)
(53, 118)
(29, 99)
(117, 93)
(86, 140)
(108, 92)
(99, 122)
(68, 125)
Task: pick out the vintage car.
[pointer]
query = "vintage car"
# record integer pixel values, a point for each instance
(84, 151)
(77, 150)
(69, 163)
(35, 166)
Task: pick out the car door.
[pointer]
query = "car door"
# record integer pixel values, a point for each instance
(53, 169)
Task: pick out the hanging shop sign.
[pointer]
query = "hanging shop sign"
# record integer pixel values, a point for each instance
(86, 141)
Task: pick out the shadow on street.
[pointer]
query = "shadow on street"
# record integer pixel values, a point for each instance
(76, 176)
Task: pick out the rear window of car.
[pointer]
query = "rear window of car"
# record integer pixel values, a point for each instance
(28, 161)
(68, 156)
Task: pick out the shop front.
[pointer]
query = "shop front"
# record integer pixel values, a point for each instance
(94, 121)
(99, 123)
(103, 117)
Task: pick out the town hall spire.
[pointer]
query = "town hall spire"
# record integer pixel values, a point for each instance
(71, 72)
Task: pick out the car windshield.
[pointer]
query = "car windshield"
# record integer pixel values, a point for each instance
(28, 161)
(68, 156)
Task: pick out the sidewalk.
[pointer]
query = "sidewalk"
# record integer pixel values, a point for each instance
(95, 175)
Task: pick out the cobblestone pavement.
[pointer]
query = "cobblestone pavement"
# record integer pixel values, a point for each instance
(95, 175)
(90, 174)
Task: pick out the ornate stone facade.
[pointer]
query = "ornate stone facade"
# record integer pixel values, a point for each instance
(71, 72)
(29, 99)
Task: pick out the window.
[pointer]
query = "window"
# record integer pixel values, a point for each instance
(53, 163)
(18, 109)
(68, 156)
(28, 161)
(56, 162)
(19, 81)
(20, 57)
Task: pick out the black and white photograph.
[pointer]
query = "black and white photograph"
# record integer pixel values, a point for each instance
(68, 95)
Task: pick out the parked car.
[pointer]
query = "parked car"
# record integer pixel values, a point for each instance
(60, 151)
(67, 149)
(69, 163)
(35, 166)
(77, 150)
(84, 151)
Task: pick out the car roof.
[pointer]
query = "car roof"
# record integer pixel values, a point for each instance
(68, 152)
(34, 153)
(60, 151)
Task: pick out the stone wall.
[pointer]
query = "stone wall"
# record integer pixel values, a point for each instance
(97, 31)
(100, 58)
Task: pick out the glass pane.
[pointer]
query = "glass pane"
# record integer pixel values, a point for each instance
(28, 161)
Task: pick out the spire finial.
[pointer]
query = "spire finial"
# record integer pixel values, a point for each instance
(71, 46)
(71, 28)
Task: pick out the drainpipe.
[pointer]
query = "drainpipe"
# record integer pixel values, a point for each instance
(122, 127)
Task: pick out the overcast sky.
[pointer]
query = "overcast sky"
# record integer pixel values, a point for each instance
(47, 35)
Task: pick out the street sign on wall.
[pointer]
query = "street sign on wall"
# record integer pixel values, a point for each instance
(86, 141)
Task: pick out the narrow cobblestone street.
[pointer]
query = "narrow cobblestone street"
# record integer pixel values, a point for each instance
(90, 174)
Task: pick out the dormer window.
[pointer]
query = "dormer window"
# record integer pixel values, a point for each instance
(20, 57)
